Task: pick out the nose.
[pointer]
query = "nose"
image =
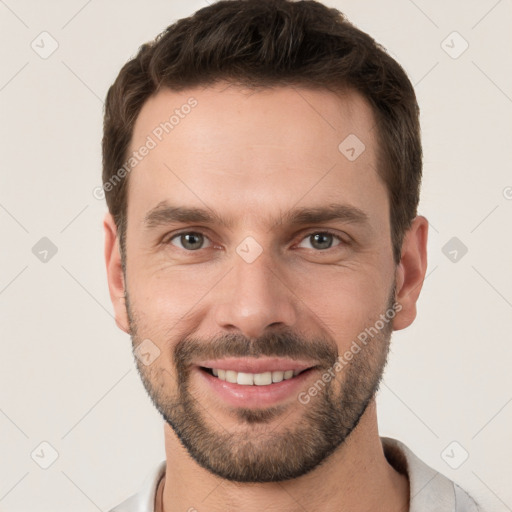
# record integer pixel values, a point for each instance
(254, 298)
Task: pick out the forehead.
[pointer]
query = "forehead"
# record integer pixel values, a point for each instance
(254, 151)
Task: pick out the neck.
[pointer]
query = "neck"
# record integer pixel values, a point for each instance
(356, 477)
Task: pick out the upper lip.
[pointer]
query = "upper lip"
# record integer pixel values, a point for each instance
(256, 365)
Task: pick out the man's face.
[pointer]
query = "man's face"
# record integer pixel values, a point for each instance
(265, 280)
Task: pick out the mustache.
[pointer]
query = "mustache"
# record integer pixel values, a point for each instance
(286, 344)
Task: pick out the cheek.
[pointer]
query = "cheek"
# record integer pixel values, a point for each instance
(340, 301)
(163, 296)
(345, 302)
(171, 294)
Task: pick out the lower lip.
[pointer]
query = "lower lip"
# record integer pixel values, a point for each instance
(239, 395)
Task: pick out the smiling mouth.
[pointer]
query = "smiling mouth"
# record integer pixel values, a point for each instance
(253, 379)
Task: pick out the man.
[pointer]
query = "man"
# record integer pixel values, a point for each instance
(262, 165)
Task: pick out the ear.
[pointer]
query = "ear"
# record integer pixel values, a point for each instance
(410, 272)
(116, 284)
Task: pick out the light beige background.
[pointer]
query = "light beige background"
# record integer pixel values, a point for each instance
(67, 374)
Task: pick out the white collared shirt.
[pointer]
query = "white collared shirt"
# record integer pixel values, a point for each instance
(429, 489)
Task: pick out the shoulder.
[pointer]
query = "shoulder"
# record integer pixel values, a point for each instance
(464, 502)
(429, 489)
(144, 499)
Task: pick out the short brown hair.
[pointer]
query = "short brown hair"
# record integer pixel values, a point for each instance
(265, 43)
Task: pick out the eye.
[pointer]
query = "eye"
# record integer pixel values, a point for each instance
(321, 240)
(190, 241)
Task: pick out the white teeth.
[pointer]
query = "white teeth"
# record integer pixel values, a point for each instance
(247, 379)
(231, 376)
(263, 379)
(277, 376)
(250, 379)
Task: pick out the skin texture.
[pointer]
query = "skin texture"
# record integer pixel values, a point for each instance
(251, 156)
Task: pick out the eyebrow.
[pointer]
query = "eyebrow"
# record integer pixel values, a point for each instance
(164, 214)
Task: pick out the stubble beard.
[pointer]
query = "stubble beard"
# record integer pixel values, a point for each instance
(263, 447)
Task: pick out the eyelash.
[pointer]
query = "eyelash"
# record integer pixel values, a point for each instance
(168, 240)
